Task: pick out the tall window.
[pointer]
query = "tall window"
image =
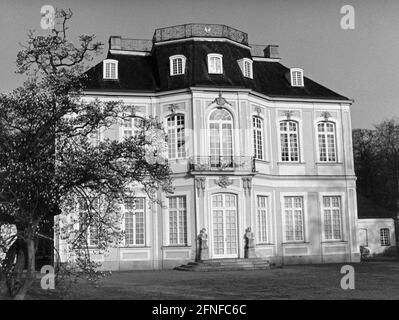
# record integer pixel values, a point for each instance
(110, 69)
(215, 63)
(257, 125)
(134, 221)
(332, 218)
(132, 127)
(177, 64)
(262, 215)
(293, 217)
(176, 139)
(177, 220)
(289, 141)
(384, 237)
(88, 211)
(296, 77)
(221, 138)
(326, 141)
(94, 137)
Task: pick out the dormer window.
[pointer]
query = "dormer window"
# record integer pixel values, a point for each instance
(215, 63)
(296, 77)
(246, 67)
(110, 69)
(177, 64)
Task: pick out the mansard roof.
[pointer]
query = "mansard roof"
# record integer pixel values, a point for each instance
(145, 68)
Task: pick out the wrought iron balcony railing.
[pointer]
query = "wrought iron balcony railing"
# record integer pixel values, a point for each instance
(222, 163)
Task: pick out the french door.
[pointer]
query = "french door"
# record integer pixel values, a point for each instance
(221, 139)
(224, 226)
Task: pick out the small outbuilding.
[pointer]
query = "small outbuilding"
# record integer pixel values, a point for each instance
(376, 229)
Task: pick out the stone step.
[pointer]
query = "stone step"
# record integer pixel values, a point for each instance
(229, 262)
(226, 265)
(224, 268)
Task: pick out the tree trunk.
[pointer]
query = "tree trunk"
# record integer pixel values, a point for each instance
(30, 271)
(21, 254)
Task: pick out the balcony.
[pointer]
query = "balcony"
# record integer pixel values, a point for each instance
(222, 163)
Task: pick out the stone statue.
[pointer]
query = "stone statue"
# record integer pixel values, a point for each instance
(249, 249)
(203, 252)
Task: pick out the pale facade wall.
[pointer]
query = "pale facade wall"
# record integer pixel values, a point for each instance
(273, 178)
(369, 233)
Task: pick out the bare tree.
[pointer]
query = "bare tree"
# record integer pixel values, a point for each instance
(48, 162)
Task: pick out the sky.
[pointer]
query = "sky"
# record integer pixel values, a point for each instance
(361, 64)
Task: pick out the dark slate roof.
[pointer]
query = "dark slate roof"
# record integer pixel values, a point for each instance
(136, 73)
(151, 73)
(367, 208)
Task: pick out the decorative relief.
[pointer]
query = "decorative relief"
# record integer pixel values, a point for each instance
(288, 114)
(131, 110)
(224, 181)
(247, 184)
(326, 115)
(220, 101)
(258, 110)
(173, 107)
(200, 184)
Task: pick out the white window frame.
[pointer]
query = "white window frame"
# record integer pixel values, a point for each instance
(344, 232)
(330, 208)
(176, 211)
(178, 153)
(246, 66)
(88, 227)
(130, 128)
(304, 197)
(385, 239)
(95, 137)
(172, 59)
(110, 62)
(296, 81)
(134, 222)
(327, 145)
(225, 159)
(256, 132)
(211, 68)
(288, 132)
(263, 235)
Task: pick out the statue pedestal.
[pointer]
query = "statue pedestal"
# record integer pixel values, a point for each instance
(203, 251)
(249, 248)
(249, 251)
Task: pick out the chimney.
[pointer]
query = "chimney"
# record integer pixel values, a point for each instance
(115, 42)
(271, 51)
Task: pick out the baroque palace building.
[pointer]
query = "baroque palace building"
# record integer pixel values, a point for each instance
(251, 143)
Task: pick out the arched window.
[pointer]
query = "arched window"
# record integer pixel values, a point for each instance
(132, 126)
(215, 63)
(221, 138)
(177, 64)
(326, 141)
(289, 141)
(176, 139)
(110, 69)
(257, 126)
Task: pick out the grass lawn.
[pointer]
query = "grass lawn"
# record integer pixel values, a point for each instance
(373, 280)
